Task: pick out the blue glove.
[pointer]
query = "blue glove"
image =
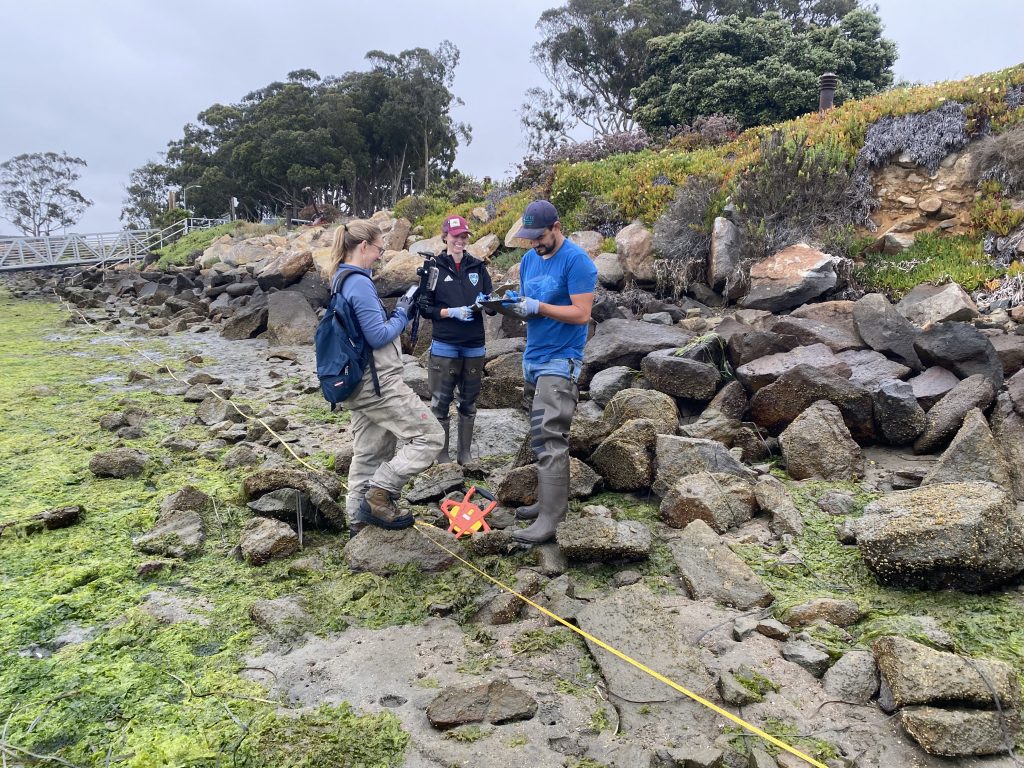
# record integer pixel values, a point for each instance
(465, 314)
(525, 307)
(405, 303)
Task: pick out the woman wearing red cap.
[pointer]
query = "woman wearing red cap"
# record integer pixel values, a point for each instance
(457, 349)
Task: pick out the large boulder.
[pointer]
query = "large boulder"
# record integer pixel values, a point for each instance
(635, 247)
(838, 336)
(853, 678)
(960, 732)
(791, 277)
(678, 376)
(764, 370)
(322, 488)
(290, 319)
(263, 539)
(120, 463)
(1010, 351)
(286, 269)
(967, 536)
(484, 248)
(605, 384)
(609, 271)
(710, 570)
(746, 344)
(721, 500)
(650, 404)
(946, 416)
(384, 552)
(589, 240)
(817, 444)
(886, 330)
(1015, 389)
(899, 418)
(775, 406)
(677, 457)
(519, 486)
(602, 539)
(725, 255)
(1008, 431)
(396, 237)
(960, 348)
(973, 456)
(624, 458)
(932, 384)
(398, 272)
(927, 304)
(247, 323)
(869, 368)
(627, 342)
(917, 674)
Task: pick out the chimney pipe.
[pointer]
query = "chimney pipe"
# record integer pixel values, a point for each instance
(827, 91)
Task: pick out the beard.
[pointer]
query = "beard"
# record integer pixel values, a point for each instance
(541, 249)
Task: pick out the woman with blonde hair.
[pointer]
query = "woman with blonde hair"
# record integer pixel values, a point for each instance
(384, 409)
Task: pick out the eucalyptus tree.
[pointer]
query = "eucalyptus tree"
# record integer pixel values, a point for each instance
(37, 192)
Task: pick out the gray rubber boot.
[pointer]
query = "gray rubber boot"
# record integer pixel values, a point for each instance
(444, 456)
(442, 374)
(465, 438)
(469, 390)
(552, 505)
(528, 512)
(553, 405)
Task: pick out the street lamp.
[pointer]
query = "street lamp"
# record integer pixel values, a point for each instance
(184, 195)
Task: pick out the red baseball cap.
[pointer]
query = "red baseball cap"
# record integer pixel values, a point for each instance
(454, 226)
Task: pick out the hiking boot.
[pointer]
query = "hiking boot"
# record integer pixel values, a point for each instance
(378, 508)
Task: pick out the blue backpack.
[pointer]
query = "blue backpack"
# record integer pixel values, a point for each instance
(342, 353)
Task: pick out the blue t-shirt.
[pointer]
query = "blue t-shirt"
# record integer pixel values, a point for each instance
(569, 270)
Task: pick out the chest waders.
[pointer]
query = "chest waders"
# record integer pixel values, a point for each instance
(443, 376)
(552, 403)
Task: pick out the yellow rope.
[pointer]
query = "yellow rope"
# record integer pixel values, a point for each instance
(586, 635)
(628, 659)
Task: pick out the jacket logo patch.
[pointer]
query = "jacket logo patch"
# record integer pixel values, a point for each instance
(447, 279)
(474, 278)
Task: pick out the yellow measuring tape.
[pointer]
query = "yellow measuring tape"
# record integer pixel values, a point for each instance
(628, 659)
(586, 635)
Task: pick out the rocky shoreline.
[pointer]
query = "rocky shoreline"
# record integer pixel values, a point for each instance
(713, 416)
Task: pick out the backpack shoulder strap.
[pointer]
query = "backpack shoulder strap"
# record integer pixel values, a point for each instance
(336, 289)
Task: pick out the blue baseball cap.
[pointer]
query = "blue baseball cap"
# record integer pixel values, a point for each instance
(538, 216)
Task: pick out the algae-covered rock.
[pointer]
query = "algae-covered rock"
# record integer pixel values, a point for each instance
(917, 674)
(120, 463)
(950, 535)
(383, 552)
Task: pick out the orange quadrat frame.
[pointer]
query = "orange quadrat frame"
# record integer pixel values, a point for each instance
(465, 517)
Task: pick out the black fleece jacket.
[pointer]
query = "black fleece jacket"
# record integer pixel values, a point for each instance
(459, 288)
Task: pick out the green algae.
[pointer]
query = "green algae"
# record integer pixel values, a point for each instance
(139, 692)
(987, 625)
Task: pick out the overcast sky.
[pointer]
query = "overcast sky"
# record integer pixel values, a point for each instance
(112, 81)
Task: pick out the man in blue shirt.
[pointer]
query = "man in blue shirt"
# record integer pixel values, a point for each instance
(557, 280)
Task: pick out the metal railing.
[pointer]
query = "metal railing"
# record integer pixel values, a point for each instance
(100, 248)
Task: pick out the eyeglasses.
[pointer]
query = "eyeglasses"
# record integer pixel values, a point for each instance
(380, 249)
